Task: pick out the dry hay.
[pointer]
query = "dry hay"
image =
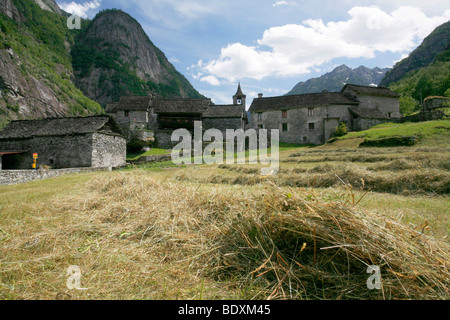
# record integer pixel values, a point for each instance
(281, 242)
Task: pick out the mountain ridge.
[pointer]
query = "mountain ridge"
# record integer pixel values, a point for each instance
(40, 68)
(334, 81)
(435, 43)
(114, 57)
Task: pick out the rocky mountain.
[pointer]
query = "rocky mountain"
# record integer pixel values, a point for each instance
(49, 5)
(113, 57)
(47, 70)
(36, 74)
(336, 79)
(8, 8)
(437, 42)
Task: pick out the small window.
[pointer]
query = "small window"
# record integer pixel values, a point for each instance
(285, 127)
(310, 112)
(284, 114)
(260, 116)
(311, 126)
(389, 114)
(260, 126)
(127, 113)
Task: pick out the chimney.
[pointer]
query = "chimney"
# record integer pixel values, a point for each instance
(260, 95)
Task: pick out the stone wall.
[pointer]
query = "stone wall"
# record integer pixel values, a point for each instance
(390, 107)
(222, 124)
(164, 139)
(155, 158)
(57, 152)
(360, 124)
(8, 177)
(108, 151)
(135, 120)
(302, 126)
(424, 116)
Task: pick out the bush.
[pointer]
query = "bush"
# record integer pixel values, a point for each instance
(390, 141)
(340, 131)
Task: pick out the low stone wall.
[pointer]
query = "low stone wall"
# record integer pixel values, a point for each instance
(424, 116)
(155, 158)
(8, 177)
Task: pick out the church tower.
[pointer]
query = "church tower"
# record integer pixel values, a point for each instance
(239, 97)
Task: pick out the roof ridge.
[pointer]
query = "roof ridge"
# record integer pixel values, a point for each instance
(57, 118)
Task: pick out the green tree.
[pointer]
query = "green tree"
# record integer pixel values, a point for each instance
(408, 105)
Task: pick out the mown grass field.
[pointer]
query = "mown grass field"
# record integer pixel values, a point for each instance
(193, 232)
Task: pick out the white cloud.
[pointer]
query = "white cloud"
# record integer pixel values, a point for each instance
(295, 49)
(78, 8)
(212, 80)
(280, 3)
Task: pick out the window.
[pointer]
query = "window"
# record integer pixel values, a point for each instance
(260, 116)
(389, 114)
(310, 112)
(284, 114)
(311, 126)
(127, 113)
(285, 126)
(239, 101)
(260, 126)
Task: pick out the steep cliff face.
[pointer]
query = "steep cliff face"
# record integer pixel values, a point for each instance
(35, 68)
(336, 79)
(49, 5)
(113, 56)
(8, 8)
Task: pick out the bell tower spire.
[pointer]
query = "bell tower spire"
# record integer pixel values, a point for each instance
(239, 97)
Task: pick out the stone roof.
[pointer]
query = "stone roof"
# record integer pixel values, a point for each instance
(132, 103)
(368, 113)
(23, 129)
(110, 107)
(375, 91)
(300, 101)
(225, 111)
(180, 106)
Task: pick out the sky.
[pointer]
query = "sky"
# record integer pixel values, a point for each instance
(271, 45)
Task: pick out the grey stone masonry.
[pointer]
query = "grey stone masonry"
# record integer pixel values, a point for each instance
(9, 177)
(313, 118)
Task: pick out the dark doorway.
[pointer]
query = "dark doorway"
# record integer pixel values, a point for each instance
(13, 161)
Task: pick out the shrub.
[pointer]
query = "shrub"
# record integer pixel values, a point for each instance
(341, 130)
(390, 141)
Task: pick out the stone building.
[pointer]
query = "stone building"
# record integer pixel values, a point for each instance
(435, 102)
(313, 118)
(149, 116)
(95, 142)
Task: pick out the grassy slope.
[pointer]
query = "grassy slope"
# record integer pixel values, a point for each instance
(430, 133)
(163, 232)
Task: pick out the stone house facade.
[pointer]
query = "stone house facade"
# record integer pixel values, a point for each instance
(149, 116)
(94, 142)
(313, 118)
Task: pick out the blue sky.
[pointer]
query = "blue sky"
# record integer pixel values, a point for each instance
(271, 45)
